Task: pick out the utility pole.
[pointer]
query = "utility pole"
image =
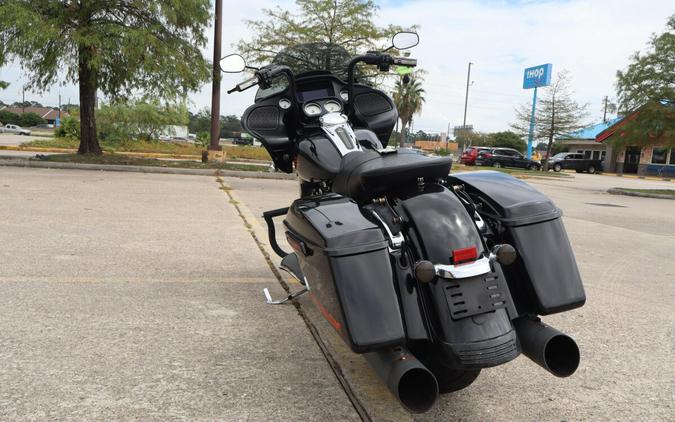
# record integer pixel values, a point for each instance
(58, 117)
(604, 114)
(447, 138)
(215, 94)
(23, 99)
(466, 98)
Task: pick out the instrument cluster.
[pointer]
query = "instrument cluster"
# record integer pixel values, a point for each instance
(317, 108)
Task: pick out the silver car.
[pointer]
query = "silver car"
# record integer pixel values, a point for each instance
(9, 128)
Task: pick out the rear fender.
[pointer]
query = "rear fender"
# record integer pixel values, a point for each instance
(471, 328)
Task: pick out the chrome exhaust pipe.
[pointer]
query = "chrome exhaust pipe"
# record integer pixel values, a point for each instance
(554, 351)
(406, 377)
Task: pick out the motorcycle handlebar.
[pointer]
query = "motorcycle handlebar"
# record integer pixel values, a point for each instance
(404, 61)
(243, 86)
(264, 77)
(373, 59)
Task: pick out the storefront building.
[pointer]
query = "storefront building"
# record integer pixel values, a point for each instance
(652, 157)
(583, 142)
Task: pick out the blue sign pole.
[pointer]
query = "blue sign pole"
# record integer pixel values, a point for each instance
(530, 135)
(535, 77)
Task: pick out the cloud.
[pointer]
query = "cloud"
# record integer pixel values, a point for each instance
(590, 38)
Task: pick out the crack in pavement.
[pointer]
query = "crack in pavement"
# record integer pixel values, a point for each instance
(330, 359)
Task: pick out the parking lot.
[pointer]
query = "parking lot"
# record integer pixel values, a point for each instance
(136, 296)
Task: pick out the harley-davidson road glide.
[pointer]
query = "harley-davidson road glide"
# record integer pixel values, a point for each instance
(431, 276)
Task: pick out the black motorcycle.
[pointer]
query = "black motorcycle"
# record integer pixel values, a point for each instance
(431, 275)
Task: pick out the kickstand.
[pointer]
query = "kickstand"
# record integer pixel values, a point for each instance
(279, 302)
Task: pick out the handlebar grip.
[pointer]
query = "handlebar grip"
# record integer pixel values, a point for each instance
(405, 61)
(243, 86)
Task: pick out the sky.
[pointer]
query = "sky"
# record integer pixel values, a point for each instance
(592, 39)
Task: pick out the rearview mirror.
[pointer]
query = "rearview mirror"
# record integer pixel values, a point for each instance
(233, 63)
(405, 40)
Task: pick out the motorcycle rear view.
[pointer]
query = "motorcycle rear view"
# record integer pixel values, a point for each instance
(430, 276)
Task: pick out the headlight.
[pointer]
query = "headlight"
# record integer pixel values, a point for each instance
(312, 109)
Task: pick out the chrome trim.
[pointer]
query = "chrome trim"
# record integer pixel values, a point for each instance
(395, 242)
(331, 123)
(470, 269)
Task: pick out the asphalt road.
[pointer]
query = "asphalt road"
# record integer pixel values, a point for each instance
(12, 139)
(137, 296)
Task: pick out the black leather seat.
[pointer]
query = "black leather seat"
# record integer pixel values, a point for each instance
(364, 175)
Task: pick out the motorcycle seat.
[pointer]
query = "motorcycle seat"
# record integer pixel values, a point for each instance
(364, 175)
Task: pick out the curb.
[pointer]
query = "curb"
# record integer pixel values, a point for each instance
(635, 176)
(128, 153)
(14, 162)
(615, 191)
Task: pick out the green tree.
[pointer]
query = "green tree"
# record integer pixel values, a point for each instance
(70, 128)
(9, 117)
(200, 122)
(648, 84)
(144, 120)
(408, 98)
(557, 113)
(230, 126)
(30, 119)
(348, 23)
(507, 139)
(116, 47)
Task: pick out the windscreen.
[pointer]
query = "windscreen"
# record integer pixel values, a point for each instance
(315, 56)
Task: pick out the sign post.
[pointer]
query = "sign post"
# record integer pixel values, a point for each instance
(535, 77)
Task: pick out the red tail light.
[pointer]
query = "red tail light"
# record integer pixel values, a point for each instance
(464, 254)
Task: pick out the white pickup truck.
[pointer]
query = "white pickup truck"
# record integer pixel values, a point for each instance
(9, 128)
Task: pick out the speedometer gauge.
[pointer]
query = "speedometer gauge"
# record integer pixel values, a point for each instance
(284, 103)
(332, 107)
(312, 109)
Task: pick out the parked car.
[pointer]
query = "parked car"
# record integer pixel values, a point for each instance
(9, 128)
(470, 154)
(574, 161)
(506, 157)
(242, 141)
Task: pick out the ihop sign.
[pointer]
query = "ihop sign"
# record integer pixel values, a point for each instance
(537, 76)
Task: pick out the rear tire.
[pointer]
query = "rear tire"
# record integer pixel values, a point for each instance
(557, 168)
(497, 165)
(448, 379)
(591, 169)
(455, 380)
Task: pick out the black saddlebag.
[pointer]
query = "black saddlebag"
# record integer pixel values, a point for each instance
(345, 260)
(545, 278)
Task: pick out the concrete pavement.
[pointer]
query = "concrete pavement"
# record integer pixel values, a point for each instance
(134, 296)
(137, 296)
(625, 249)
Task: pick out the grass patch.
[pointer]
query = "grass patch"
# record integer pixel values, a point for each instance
(666, 192)
(154, 147)
(114, 159)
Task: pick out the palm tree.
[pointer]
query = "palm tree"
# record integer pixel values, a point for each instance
(408, 99)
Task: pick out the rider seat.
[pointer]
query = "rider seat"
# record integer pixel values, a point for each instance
(365, 175)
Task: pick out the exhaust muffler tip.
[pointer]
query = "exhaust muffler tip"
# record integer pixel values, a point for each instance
(407, 378)
(551, 349)
(417, 390)
(562, 356)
